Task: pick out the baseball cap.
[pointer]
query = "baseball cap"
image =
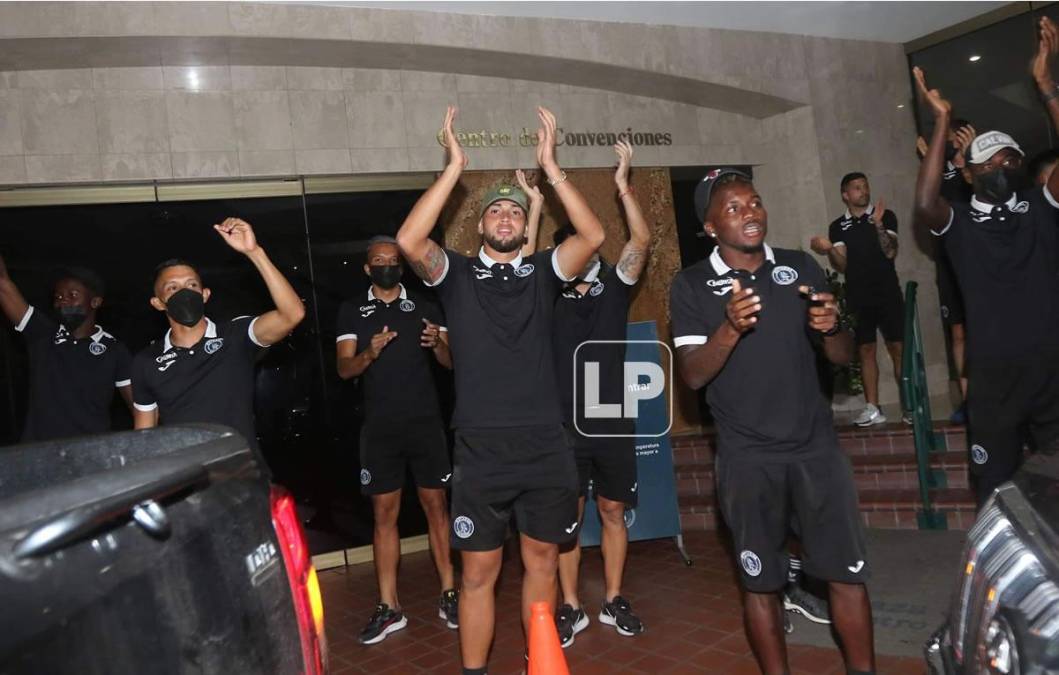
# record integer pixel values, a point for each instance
(990, 143)
(705, 187)
(509, 193)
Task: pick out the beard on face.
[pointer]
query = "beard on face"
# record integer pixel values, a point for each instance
(512, 243)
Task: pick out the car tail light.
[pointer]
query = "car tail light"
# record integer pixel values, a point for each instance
(304, 585)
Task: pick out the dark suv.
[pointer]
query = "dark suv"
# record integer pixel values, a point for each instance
(1005, 611)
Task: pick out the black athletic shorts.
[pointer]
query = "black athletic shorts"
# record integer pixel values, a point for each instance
(885, 315)
(388, 448)
(1003, 399)
(527, 472)
(949, 295)
(608, 462)
(762, 501)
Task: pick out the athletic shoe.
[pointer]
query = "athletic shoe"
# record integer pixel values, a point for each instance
(383, 622)
(959, 416)
(869, 416)
(797, 599)
(618, 613)
(569, 622)
(449, 608)
(906, 418)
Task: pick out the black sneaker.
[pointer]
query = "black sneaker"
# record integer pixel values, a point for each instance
(569, 622)
(449, 608)
(383, 622)
(797, 599)
(618, 613)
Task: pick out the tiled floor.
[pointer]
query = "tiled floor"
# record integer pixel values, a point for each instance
(693, 618)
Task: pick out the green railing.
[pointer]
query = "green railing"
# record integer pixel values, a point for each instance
(915, 398)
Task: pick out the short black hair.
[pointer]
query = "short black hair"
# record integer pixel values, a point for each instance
(1041, 160)
(562, 233)
(90, 279)
(173, 262)
(849, 178)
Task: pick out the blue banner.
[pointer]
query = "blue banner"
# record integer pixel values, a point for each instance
(657, 514)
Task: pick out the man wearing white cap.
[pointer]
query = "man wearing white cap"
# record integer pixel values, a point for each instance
(1004, 247)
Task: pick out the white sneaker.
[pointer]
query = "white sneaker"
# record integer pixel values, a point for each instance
(869, 416)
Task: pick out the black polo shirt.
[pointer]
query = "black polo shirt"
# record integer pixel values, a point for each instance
(1006, 260)
(211, 382)
(870, 276)
(71, 381)
(766, 401)
(399, 385)
(499, 317)
(602, 313)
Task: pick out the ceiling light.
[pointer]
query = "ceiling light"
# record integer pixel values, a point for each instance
(975, 57)
(900, 105)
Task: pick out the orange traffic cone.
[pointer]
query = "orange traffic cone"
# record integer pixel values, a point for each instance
(545, 652)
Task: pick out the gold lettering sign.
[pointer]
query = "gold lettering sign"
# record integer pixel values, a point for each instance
(527, 138)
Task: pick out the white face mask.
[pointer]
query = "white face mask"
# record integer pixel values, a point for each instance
(591, 274)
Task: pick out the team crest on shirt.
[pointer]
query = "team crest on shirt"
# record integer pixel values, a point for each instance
(365, 476)
(720, 286)
(463, 527)
(978, 454)
(784, 275)
(213, 345)
(750, 562)
(596, 289)
(96, 348)
(524, 270)
(407, 306)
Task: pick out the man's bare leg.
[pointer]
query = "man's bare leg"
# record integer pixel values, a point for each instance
(478, 605)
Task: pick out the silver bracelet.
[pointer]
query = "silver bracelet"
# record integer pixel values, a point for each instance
(558, 180)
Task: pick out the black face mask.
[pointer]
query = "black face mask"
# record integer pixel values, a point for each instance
(997, 186)
(72, 317)
(385, 276)
(186, 307)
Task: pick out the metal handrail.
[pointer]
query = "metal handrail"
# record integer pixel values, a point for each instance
(915, 399)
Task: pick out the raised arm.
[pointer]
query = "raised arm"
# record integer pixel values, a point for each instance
(424, 255)
(1042, 75)
(634, 253)
(270, 327)
(12, 303)
(576, 250)
(931, 210)
(533, 220)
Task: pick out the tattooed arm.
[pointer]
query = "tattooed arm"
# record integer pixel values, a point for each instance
(634, 254)
(427, 259)
(886, 229)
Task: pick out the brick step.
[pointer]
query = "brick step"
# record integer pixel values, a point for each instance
(886, 439)
(869, 471)
(883, 508)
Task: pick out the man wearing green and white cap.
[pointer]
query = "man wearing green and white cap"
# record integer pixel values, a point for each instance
(511, 456)
(1004, 248)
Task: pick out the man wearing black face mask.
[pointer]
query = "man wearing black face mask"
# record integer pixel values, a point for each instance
(1004, 248)
(74, 364)
(390, 340)
(201, 371)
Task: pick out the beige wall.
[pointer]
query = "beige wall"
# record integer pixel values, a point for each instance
(239, 90)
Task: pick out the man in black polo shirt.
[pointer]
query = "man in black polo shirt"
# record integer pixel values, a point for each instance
(862, 243)
(596, 307)
(746, 324)
(511, 454)
(202, 371)
(1004, 250)
(390, 339)
(74, 365)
